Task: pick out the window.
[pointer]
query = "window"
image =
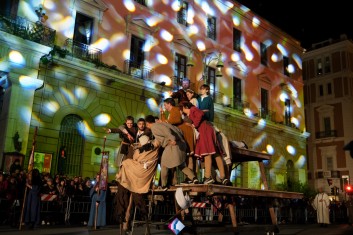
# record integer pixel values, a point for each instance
(287, 112)
(318, 67)
(211, 27)
(329, 89)
(285, 65)
(264, 103)
(325, 90)
(70, 136)
(236, 39)
(237, 102)
(211, 79)
(10, 7)
(142, 2)
(179, 69)
(137, 51)
(329, 164)
(183, 13)
(321, 90)
(263, 51)
(327, 64)
(83, 31)
(327, 125)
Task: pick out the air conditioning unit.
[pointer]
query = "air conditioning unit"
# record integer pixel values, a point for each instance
(326, 174)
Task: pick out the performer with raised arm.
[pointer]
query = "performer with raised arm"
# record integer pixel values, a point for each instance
(127, 133)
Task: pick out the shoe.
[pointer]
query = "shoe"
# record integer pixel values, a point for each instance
(195, 181)
(164, 188)
(208, 180)
(186, 181)
(225, 181)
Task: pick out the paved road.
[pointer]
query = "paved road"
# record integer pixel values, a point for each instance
(290, 229)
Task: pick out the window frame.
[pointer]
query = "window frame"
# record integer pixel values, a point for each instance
(179, 58)
(211, 28)
(237, 39)
(182, 14)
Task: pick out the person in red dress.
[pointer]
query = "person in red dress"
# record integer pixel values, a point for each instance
(206, 143)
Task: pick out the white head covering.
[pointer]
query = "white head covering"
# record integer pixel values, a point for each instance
(183, 201)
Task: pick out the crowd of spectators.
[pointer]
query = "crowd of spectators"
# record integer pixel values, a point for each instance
(12, 188)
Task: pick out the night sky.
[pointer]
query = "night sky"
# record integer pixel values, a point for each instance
(308, 24)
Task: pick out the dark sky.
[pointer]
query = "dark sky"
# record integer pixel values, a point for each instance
(309, 24)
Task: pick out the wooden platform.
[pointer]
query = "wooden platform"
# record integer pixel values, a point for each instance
(214, 189)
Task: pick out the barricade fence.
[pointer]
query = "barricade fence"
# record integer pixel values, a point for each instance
(75, 211)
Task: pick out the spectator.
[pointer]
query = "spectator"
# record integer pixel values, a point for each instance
(98, 196)
(32, 203)
(15, 167)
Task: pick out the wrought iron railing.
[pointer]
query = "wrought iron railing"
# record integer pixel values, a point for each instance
(267, 114)
(326, 134)
(21, 27)
(137, 70)
(240, 105)
(83, 51)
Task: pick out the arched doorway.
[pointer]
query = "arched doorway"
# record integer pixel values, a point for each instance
(72, 141)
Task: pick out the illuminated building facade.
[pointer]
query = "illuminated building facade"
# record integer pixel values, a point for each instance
(327, 73)
(117, 58)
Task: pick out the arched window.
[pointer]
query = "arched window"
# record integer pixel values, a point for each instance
(71, 138)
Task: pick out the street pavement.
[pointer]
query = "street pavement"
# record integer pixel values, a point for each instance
(249, 229)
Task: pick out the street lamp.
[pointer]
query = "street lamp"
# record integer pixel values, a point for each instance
(207, 58)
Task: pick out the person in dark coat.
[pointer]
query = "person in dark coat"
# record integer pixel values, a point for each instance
(33, 203)
(180, 94)
(127, 133)
(98, 197)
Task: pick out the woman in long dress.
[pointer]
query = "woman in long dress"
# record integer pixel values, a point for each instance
(206, 144)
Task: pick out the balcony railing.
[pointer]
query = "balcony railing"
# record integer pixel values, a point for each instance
(21, 27)
(137, 70)
(83, 51)
(267, 114)
(240, 105)
(326, 134)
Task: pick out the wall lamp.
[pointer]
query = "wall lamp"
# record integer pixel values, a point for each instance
(207, 58)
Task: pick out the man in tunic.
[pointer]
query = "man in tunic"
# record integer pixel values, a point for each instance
(171, 139)
(321, 204)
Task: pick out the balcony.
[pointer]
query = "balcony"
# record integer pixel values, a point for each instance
(240, 105)
(326, 134)
(137, 70)
(267, 114)
(21, 27)
(83, 51)
(218, 97)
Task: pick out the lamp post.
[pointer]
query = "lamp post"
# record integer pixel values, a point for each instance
(40, 12)
(207, 59)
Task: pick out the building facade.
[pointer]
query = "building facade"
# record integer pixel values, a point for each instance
(71, 68)
(328, 79)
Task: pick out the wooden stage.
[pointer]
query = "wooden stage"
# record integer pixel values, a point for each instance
(214, 189)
